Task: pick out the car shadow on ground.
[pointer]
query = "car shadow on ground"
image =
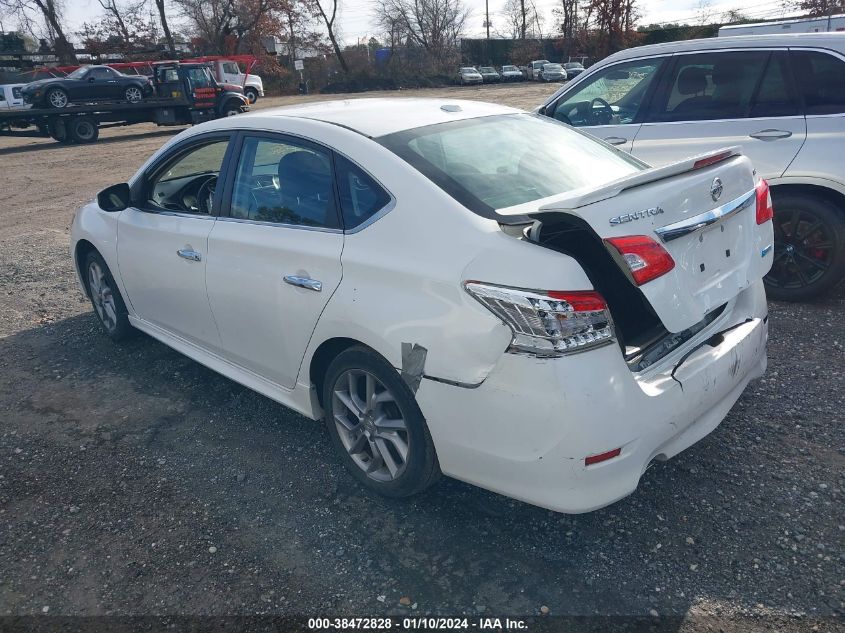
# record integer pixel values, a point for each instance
(43, 143)
(143, 483)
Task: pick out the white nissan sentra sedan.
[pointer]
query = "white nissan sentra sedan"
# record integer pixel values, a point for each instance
(456, 287)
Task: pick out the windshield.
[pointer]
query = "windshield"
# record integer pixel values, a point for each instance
(510, 68)
(487, 69)
(468, 70)
(552, 67)
(573, 65)
(490, 163)
(78, 73)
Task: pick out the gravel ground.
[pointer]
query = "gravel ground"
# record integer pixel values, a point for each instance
(134, 481)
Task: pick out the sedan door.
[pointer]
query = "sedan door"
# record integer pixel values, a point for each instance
(719, 99)
(162, 243)
(274, 254)
(610, 103)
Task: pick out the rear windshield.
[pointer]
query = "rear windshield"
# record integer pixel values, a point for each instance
(495, 162)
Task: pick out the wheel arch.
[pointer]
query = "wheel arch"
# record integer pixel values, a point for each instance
(323, 356)
(829, 191)
(80, 252)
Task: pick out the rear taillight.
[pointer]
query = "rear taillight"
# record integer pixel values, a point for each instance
(646, 259)
(548, 323)
(765, 210)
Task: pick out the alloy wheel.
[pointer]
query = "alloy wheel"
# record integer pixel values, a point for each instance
(102, 296)
(370, 425)
(133, 95)
(803, 249)
(58, 98)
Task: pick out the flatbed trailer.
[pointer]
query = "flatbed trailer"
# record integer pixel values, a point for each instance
(81, 123)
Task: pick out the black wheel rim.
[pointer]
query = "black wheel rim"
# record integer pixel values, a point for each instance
(803, 249)
(85, 131)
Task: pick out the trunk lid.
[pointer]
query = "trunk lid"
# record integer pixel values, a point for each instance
(702, 211)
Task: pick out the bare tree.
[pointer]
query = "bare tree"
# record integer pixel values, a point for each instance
(568, 14)
(434, 25)
(50, 12)
(820, 8)
(162, 16)
(512, 12)
(330, 27)
(224, 24)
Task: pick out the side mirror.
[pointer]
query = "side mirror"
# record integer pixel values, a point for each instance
(115, 198)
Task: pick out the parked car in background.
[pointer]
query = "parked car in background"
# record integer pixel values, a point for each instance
(11, 97)
(469, 75)
(552, 72)
(454, 287)
(511, 73)
(535, 68)
(87, 84)
(489, 74)
(781, 98)
(573, 69)
(526, 73)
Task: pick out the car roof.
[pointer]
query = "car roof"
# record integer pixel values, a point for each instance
(821, 40)
(379, 116)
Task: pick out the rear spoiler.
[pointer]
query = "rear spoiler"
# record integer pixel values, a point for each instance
(588, 195)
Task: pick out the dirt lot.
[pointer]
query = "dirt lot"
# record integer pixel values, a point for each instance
(134, 481)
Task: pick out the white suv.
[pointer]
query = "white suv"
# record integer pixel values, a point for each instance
(780, 97)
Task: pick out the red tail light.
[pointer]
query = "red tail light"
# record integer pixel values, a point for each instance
(646, 259)
(765, 210)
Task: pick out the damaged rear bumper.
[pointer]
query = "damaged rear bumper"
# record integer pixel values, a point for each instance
(527, 429)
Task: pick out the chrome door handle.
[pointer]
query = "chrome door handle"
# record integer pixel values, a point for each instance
(304, 282)
(615, 140)
(188, 254)
(770, 135)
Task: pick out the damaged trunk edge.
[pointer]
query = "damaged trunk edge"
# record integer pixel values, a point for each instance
(641, 335)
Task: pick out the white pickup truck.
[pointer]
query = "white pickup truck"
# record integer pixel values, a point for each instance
(228, 71)
(11, 97)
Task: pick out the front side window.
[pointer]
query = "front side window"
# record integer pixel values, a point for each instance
(612, 96)
(284, 182)
(712, 86)
(490, 163)
(230, 68)
(821, 81)
(101, 73)
(361, 197)
(187, 183)
(17, 93)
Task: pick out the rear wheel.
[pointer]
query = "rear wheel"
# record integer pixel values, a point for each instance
(133, 94)
(83, 129)
(376, 425)
(105, 298)
(58, 131)
(809, 248)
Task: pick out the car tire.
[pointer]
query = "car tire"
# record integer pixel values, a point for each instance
(133, 94)
(251, 95)
(56, 98)
(231, 108)
(809, 247)
(57, 129)
(83, 129)
(373, 452)
(106, 299)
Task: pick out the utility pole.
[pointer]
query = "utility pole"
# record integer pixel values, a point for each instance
(487, 19)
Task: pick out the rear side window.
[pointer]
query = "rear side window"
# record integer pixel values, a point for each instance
(821, 80)
(775, 97)
(361, 197)
(712, 86)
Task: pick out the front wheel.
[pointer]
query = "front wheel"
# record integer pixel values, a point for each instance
(56, 98)
(809, 247)
(376, 425)
(251, 95)
(105, 298)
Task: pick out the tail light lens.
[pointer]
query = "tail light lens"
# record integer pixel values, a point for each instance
(646, 259)
(549, 323)
(765, 210)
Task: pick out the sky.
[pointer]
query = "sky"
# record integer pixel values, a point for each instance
(356, 15)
